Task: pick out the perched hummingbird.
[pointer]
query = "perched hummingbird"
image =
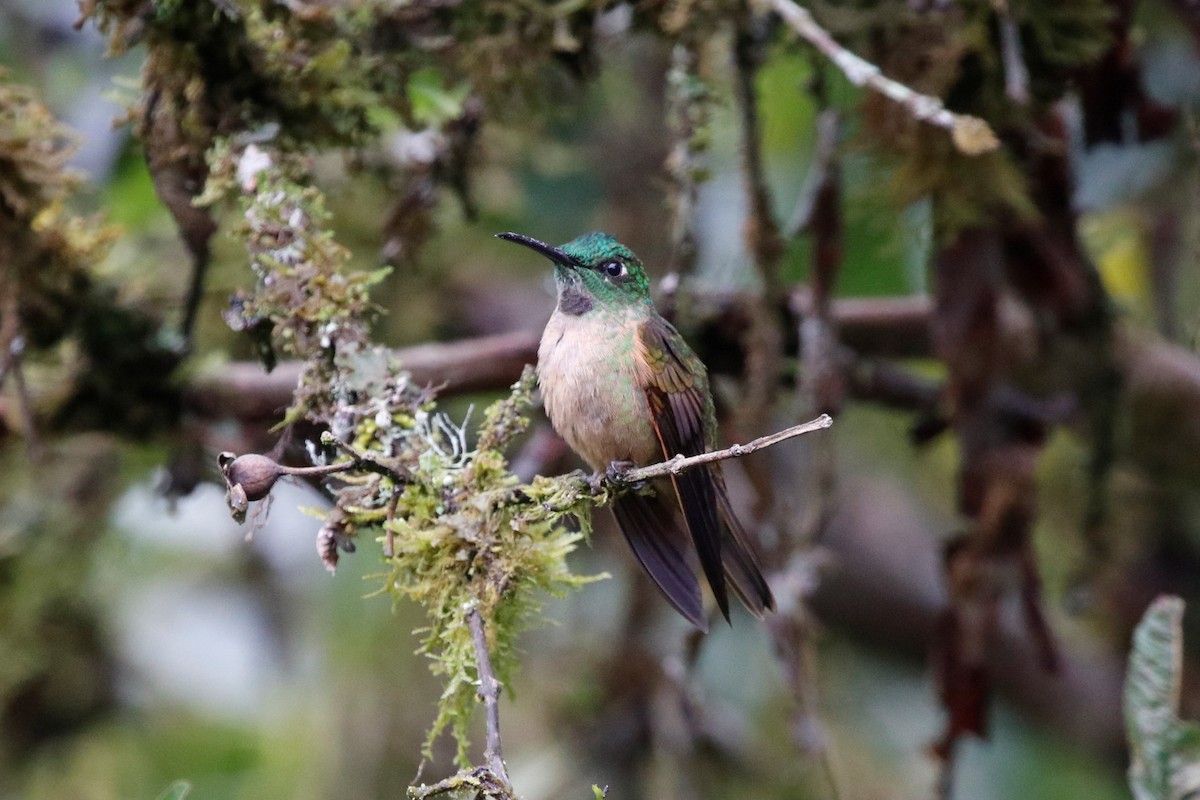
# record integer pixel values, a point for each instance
(622, 387)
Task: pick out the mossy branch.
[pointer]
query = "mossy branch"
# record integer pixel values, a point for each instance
(463, 538)
(469, 542)
(971, 135)
(489, 692)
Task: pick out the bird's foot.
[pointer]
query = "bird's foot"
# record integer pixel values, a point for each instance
(598, 483)
(616, 474)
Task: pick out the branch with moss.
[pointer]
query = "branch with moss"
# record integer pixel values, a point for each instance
(118, 373)
(489, 691)
(462, 537)
(471, 544)
(971, 135)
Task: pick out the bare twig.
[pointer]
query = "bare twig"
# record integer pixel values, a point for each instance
(822, 386)
(687, 115)
(1016, 74)
(803, 514)
(251, 476)
(971, 135)
(389, 540)
(680, 463)
(829, 130)
(489, 691)
(764, 337)
(367, 461)
(191, 304)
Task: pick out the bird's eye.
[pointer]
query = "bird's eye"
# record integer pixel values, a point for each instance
(613, 269)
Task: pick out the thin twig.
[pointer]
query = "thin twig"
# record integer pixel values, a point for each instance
(688, 101)
(1016, 74)
(389, 540)
(972, 135)
(680, 463)
(489, 691)
(829, 130)
(320, 470)
(368, 461)
(763, 340)
(821, 387)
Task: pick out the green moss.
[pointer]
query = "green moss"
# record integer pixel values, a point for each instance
(464, 533)
(467, 535)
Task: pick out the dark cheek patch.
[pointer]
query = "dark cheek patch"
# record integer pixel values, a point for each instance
(575, 301)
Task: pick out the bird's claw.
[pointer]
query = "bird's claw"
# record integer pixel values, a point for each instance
(615, 473)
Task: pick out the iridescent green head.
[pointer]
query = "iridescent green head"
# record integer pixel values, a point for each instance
(593, 270)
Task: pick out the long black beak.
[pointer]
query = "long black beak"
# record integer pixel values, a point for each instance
(556, 255)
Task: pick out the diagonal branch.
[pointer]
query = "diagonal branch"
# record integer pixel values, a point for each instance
(971, 135)
(679, 463)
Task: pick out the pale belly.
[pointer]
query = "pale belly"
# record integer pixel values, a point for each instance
(585, 370)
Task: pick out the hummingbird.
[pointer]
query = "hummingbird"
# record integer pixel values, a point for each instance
(623, 388)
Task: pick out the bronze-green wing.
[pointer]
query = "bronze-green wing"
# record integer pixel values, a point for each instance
(676, 388)
(681, 410)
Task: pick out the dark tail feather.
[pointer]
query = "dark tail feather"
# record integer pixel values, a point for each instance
(662, 548)
(742, 565)
(697, 499)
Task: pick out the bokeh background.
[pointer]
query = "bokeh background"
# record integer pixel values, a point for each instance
(146, 639)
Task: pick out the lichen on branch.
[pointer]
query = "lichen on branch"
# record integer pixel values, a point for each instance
(460, 533)
(469, 536)
(306, 302)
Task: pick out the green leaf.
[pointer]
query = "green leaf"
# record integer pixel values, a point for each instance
(1164, 750)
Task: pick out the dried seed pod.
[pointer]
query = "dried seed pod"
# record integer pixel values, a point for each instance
(248, 477)
(255, 473)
